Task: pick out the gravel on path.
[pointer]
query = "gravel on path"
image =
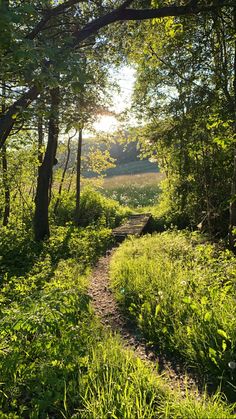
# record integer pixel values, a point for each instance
(107, 310)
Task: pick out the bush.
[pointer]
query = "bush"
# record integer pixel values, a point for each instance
(96, 209)
(181, 293)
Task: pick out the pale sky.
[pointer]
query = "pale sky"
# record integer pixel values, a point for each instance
(125, 77)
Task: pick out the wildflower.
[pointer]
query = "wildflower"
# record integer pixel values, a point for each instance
(183, 283)
(160, 293)
(232, 365)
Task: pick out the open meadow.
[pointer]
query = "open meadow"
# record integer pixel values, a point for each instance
(134, 190)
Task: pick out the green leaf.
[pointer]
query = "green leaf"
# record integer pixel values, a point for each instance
(224, 345)
(222, 333)
(157, 310)
(208, 316)
(187, 300)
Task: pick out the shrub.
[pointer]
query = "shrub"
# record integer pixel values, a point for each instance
(96, 209)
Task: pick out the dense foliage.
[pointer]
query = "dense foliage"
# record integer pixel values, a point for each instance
(56, 359)
(184, 97)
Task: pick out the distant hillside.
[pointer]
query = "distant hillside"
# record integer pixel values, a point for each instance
(126, 157)
(132, 168)
(127, 160)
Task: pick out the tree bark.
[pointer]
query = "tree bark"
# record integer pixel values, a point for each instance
(6, 187)
(40, 139)
(232, 209)
(63, 175)
(78, 176)
(71, 179)
(41, 221)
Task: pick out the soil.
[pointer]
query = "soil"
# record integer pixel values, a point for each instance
(110, 315)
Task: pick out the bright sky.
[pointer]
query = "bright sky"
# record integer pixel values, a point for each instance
(125, 78)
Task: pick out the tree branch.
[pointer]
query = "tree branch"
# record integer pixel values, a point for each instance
(49, 13)
(122, 14)
(8, 119)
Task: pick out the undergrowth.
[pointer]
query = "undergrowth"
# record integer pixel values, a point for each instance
(55, 359)
(95, 209)
(181, 293)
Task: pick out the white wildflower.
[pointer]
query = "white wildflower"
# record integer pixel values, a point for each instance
(232, 365)
(160, 293)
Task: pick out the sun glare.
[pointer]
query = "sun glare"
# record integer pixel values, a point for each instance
(106, 123)
(125, 78)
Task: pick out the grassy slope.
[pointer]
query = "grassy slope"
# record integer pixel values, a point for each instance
(181, 293)
(133, 167)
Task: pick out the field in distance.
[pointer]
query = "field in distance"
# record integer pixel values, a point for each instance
(138, 179)
(134, 190)
(133, 167)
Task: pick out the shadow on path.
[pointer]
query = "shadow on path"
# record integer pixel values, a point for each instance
(108, 311)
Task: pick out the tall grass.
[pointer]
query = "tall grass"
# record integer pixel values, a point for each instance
(181, 293)
(46, 326)
(135, 191)
(55, 359)
(121, 386)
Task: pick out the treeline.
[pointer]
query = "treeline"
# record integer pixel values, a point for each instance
(54, 80)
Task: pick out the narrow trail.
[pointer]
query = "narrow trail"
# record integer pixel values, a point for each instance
(108, 312)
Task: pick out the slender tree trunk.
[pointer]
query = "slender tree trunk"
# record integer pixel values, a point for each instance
(63, 175)
(78, 176)
(41, 221)
(232, 210)
(40, 139)
(71, 179)
(6, 187)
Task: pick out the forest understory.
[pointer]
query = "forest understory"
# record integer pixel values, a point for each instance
(89, 329)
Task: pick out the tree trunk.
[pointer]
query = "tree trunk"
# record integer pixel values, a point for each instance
(63, 175)
(40, 139)
(71, 179)
(232, 209)
(41, 221)
(6, 187)
(78, 176)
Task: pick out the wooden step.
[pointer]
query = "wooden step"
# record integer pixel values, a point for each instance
(135, 225)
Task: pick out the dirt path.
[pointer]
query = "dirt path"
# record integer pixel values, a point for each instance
(110, 316)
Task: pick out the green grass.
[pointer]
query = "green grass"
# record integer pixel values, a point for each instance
(136, 191)
(181, 293)
(121, 386)
(130, 168)
(46, 326)
(133, 167)
(55, 358)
